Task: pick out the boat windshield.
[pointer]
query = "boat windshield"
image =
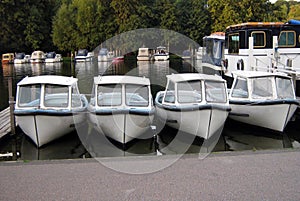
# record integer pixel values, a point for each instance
(284, 88)
(189, 92)
(20, 56)
(240, 89)
(29, 95)
(103, 52)
(82, 53)
(137, 95)
(56, 96)
(109, 95)
(215, 92)
(262, 87)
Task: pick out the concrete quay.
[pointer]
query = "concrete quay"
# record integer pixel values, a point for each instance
(249, 175)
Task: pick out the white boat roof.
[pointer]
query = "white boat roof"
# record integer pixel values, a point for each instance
(253, 74)
(124, 79)
(193, 76)
(48, 79)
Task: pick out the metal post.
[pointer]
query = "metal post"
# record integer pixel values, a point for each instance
(11, 107)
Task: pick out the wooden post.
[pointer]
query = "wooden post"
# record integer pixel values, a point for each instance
(11, 107)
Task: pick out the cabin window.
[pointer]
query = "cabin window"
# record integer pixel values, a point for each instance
(284, 88)
(189, 92)
(233, 41)
(109, 95)
(287, 39)
(215, 92)
(262, 88)
(56, 96)
(76, 97)
(259, 39)
(170, 95)
(29, 95)
(137, 95)
(240, 89)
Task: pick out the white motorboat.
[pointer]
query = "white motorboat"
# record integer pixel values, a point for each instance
(121, 107)
(262, 99)
(105, 55)
(21, 58)
(47, 105)
(143, 54)
(83, 55)
(52, 57)
(194, 103)
(37, 57)
(161, 54)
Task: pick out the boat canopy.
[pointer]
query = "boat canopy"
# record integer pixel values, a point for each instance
(193, 76)
(116, 79)
(48, 79)
(253, 74)
(20, 55)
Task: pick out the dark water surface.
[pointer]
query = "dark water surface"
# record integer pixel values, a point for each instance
(235, 136)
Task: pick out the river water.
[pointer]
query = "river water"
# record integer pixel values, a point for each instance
(235, 136)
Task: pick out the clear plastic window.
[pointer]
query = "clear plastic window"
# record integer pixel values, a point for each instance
(76, 97)
(29, 95)
(284, 88)
(262, 88)
(109, 95)
(240, 89)
(189, 92)
(215, 92)
(170, 95)
(56, 96)
(137, 95)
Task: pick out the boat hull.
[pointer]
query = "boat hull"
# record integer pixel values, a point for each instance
(104, 58)
(202, 122)
(43, 129)
(272, 116)
(122, 127)
(161, 57)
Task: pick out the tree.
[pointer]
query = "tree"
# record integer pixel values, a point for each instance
(294, 12)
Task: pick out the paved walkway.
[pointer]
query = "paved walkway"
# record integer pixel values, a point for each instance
(260, 175)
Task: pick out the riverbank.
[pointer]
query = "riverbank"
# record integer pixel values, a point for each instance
(248, 175)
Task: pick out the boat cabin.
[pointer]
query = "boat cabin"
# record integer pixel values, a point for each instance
(48, 92)
(8, 58)
(192, 88)
(262, 46)
(213, 50)
(258, 86)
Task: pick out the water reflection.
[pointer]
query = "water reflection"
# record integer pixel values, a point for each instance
(235, 137)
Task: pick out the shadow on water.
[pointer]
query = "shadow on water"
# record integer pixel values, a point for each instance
(235, 136)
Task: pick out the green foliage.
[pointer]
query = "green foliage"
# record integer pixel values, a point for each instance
(68, 25)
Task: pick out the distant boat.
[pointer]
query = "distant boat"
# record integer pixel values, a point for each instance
(52, 57)
(143, 54)
(105, 55)
(194, 103)
(121, 107)
(8, 58)
(37, 57)
(47, 105)
(22, 58)
(262, 99)
(161, 54)
(83, 55)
